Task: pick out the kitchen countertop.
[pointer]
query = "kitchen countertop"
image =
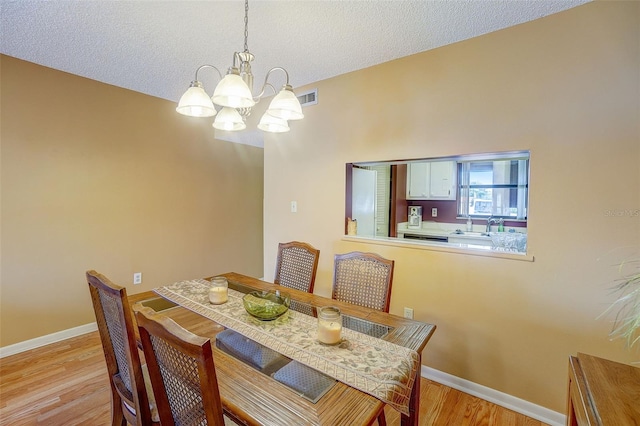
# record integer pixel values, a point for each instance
(467, 249)
(453, 234)
(441, 229)
(428, 228)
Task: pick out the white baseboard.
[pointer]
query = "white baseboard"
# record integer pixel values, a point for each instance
(502, 399)
(45, 340)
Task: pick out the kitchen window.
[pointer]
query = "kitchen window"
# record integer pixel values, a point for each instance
(495, 186)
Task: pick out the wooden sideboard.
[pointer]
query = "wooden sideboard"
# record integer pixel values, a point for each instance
(602, 392)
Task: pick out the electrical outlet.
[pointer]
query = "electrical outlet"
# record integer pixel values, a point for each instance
(137, 278)
(408, 313)
(434, 212)
(294, 207)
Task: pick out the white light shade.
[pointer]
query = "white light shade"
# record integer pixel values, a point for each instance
(195, 102)
(233, 92)
(229, 119)
(272, 124)
(285, 105)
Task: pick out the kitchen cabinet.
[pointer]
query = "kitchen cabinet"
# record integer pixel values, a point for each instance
(431, 180)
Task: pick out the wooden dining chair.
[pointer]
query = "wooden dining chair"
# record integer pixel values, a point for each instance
(297, 265)
(363, 279)
(132, 400)
(182, 372)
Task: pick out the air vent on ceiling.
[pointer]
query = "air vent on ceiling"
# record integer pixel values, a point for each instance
(308, 98)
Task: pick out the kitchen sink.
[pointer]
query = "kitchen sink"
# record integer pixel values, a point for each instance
(505, 241)
(472, 234)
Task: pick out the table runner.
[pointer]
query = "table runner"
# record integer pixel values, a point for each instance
(382, 369)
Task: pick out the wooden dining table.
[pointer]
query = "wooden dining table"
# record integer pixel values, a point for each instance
(254, 398)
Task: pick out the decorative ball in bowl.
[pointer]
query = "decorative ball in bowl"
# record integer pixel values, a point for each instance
(266, 305)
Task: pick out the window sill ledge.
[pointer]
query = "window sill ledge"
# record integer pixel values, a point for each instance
(442, 247)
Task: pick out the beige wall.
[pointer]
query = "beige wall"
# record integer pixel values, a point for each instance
(566, 87)
(98, 177)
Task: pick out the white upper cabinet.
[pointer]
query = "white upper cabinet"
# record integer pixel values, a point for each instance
(431, 180)
(417, 181)
(442, 180)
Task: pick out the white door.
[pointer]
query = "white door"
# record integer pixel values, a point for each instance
(363, 201)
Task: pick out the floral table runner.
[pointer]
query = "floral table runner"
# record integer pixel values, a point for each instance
(382, 369)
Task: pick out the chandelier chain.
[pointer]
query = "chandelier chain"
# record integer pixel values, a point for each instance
(246, 25)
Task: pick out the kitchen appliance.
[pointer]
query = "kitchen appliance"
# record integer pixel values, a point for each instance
(415, 217)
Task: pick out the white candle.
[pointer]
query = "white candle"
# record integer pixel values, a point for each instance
(218, 295)
(329, 332)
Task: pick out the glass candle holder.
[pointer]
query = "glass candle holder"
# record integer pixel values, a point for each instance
(329, 325)
(219, 291)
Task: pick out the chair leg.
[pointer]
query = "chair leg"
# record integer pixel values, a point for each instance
(117, 416)
(382, 420)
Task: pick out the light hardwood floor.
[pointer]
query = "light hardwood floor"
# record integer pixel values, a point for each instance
(66, 383)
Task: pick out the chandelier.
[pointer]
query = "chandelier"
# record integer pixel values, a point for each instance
(233, 95)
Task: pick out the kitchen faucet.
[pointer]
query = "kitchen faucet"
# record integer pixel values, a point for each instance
(490, 221)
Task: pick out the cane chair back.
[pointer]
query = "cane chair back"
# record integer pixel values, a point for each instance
(363, 279)
(297, 265)
(182, 372)
(131, 400)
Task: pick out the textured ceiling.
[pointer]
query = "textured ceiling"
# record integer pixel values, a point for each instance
(154, 47)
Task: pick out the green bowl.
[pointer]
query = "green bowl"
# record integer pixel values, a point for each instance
(266, 305)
